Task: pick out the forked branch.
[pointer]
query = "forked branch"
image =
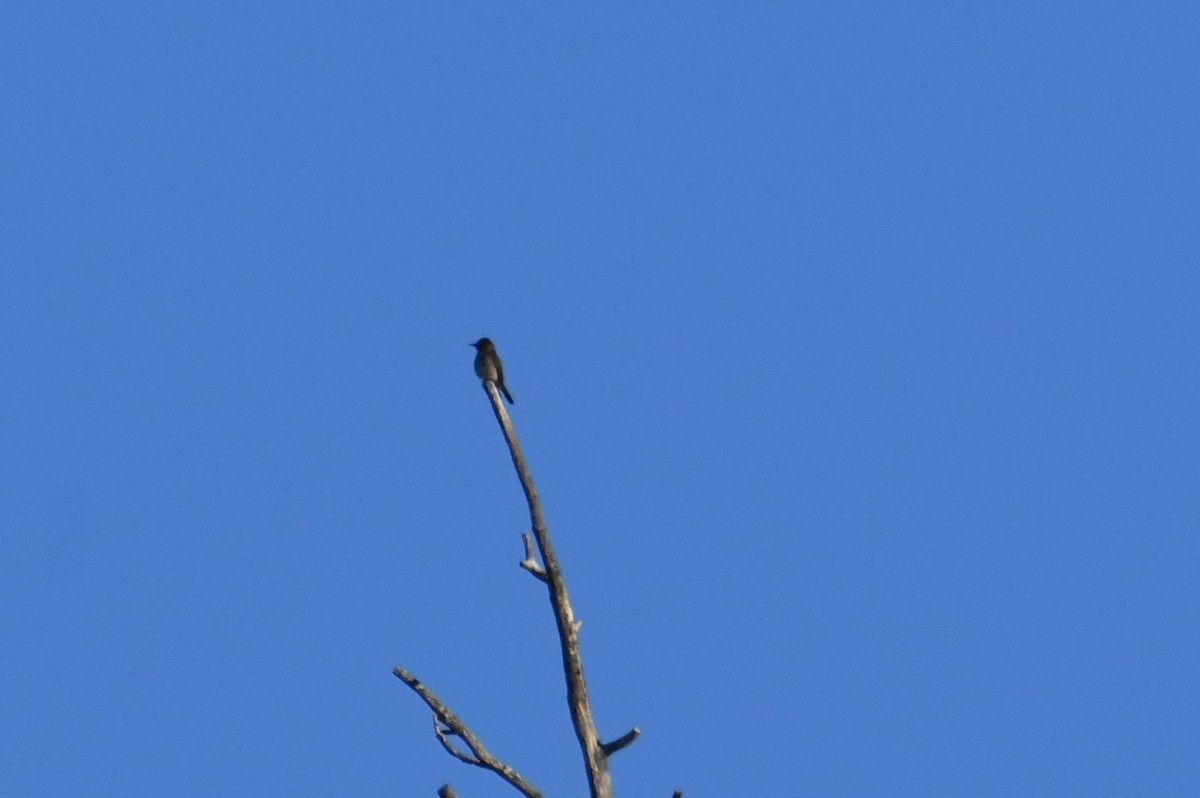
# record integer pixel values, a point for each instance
(447, 724)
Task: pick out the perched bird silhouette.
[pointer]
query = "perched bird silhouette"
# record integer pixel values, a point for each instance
(488, 366)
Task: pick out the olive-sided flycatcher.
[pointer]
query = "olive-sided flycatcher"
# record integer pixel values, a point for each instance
(487, 365)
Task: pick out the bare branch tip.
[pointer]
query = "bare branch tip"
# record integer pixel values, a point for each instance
(446, 791)
(622, 741)
(530, 563)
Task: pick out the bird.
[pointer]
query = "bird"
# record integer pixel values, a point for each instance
(488, 367)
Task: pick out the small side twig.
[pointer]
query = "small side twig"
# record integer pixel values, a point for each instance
(530, 562)
(441, 731)
(625, 739)
(447, 723)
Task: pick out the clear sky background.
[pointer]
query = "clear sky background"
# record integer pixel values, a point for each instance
(854, 347)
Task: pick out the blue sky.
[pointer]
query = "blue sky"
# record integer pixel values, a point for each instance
(854, 348)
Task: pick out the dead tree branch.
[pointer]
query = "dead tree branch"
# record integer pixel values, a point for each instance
(447, 724)
(594, 755)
